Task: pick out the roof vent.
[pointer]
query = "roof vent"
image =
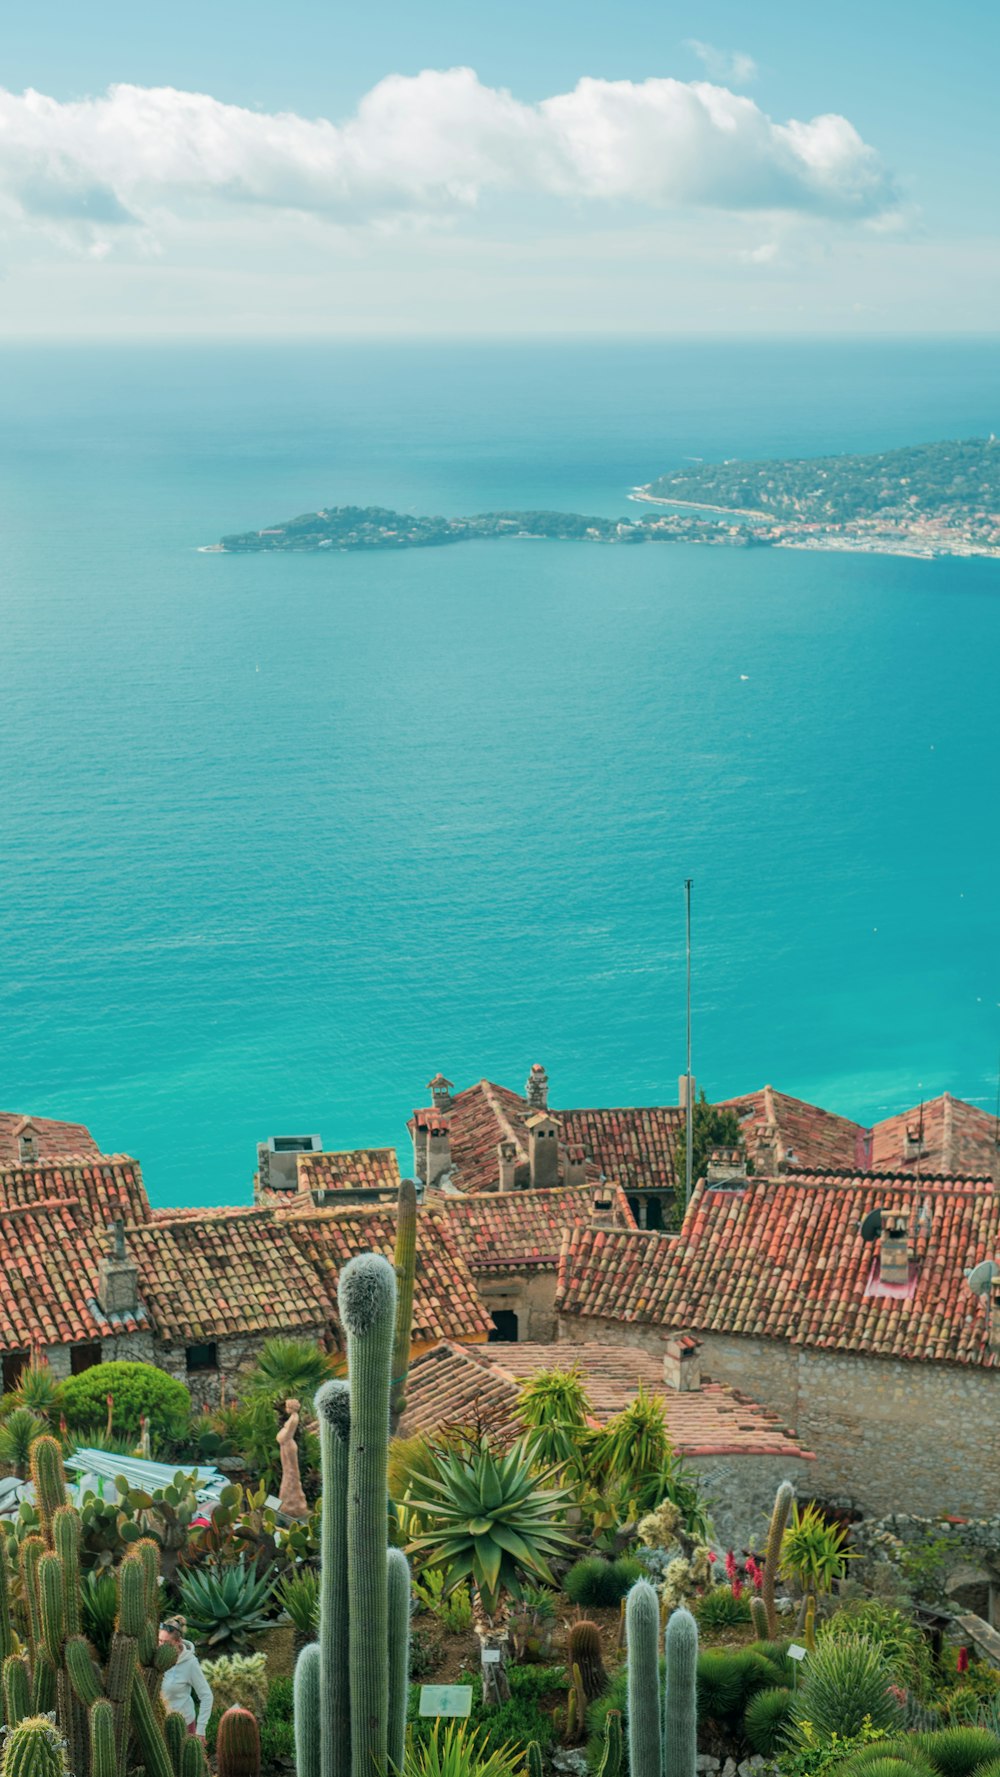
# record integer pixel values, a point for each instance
(727, 1169)
(278, 1160)
(894, 1247)
(27, 1144)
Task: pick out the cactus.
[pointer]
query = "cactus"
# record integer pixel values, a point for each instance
(662, 1743)
(308, 1711)
(16, 1690)
(536, 1764)
(611, 1752)
(585, 1654)
(758, 1617)
(775, 1536)
(237, 1749)
(34, 1749)
(103, 1753)
(192, 1759)
(680, 1708)
(351, 1687)
(405, 1258)
(810, 1624)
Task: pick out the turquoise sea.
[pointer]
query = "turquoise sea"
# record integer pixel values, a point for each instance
(284, 836)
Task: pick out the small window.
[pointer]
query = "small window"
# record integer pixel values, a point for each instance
(202, 1357)
(13, 1364)
(83, 1357)
(504, 1327)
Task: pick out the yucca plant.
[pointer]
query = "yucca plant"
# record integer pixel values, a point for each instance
(844, 1683)
(461, 1751)
(38, 1389)
(17, 1434)
(298, 1594)
(813, 1551)
(224, 1607)
(556, 1410)
(489, 1518)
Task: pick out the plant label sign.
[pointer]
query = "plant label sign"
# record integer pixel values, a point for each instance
(491, 1656)
(795, 1652)
(446, 1699)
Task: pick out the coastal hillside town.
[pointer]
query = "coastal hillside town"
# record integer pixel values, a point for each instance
(810, 1305)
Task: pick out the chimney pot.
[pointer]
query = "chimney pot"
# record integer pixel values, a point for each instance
(27, 1145)
(117, 1276)
(894, 1247)
(543, 1148)
(506, 1164)
(682, 1363)
(682, 1087)
(576, 1164)
(537, 1088)
(727, 1166)
(602, 1206)
(440, 1091)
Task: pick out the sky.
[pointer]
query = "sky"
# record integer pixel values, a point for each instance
(459, 167)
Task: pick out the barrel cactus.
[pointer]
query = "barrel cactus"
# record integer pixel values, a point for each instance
(237, 1748)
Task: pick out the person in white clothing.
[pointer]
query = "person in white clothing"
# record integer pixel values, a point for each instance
(185, 1685)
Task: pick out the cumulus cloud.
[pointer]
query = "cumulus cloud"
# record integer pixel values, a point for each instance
(733, 67)
(432, 145)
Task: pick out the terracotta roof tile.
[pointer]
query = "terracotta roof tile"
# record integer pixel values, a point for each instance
(953, 1137)
(225, 1274)
(103, 1186)
(451, 1382)
(634, 1145)
(781, 1132)
(49, 1257)
(517, 1230)
(54, 1139)
(357, 1169)
(784, 1259)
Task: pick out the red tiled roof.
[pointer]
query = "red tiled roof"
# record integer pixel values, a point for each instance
(517, 1230)
(477, 1119)
(49, 1257)
(225, 1274)
(804, 1135)
(103, 1186)
(445, 1302)
(956, 1139)
(451, 1382)
(54, 1139)
(357, 1169)
(784, 1259)
(634, 1145)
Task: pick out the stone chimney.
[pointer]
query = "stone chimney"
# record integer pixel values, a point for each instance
(440, 1091)
(894, 1247)
(117, 1277)
(418, 1132)
(682, 1087)
(576, 1164)
(506, 1164)
(766, 1158)
(438, 1147)
(602, 1206)
(543, 1148)
(727, 1166)
(27, 1143)
(913, 1142)
(537, 1089)
(682, 1363)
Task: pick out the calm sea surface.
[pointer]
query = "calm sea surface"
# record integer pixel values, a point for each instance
(282, 837)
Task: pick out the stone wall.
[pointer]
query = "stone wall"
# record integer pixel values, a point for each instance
(530, 1295)
(740, 1491)
(887, 1434)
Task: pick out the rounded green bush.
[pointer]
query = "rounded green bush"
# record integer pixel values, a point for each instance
(718, 1609)
(886, 1766)
(137, 1390)
(766, 1719)
(957, 1751)
(596, 1583)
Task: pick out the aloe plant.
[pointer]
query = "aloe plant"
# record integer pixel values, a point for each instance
(490, 1518)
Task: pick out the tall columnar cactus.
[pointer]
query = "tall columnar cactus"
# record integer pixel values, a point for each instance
(680, 1702)
(351, 1687)
(99, 1711)
(662, 1739)
(406, 1267)
(611, 1751)
(758, 1617)
(775, 1536)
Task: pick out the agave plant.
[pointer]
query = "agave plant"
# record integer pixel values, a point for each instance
(225, 1606)
(844, 1683)
(489, 1518)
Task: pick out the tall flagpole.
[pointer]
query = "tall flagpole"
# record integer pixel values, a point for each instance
(689, 1107)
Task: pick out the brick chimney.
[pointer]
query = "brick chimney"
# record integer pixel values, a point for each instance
(537, 1089)
(576, 1164)
(894, 1247)
(27, 1143)
(602, 1206)
(440, 1091)
(543, 1148)
(117, 1277)
(506, 1164)
(727, 1166)
(682, 1086)
(682, 1363)
(438, 1147)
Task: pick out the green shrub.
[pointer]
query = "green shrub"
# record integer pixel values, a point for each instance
(524, 1718)
(726, 1682)
(898, 1638)
(958, 1750)
(298, 1594)
(845, 1683)
(766, 1720)
(137, 1389)
(990, 1770)
(885, 1765)
(595, 1582)
(718, 1609)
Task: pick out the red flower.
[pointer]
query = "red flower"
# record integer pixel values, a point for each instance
(731, 1568)
(712, 1556)
(962, 1660)
(737, 1588)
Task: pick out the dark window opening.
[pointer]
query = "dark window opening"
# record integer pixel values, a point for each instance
(83, 1357)
(293, 1144)
(654, 1213)
(202, 1357)
(633, 1204)
(504, 1327)
(13, 1364)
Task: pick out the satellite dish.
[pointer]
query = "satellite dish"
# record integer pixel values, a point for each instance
(871, 1227)
(981, 1276)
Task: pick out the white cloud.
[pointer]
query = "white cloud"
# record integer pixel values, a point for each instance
(733, 67)
(435, 145)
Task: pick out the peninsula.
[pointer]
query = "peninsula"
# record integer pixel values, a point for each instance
(926, 500)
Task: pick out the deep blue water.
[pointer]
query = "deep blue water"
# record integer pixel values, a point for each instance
(282, 837)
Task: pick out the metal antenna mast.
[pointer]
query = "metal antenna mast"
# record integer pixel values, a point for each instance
(689, 1107)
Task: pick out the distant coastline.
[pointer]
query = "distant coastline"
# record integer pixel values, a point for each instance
(923, 501)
